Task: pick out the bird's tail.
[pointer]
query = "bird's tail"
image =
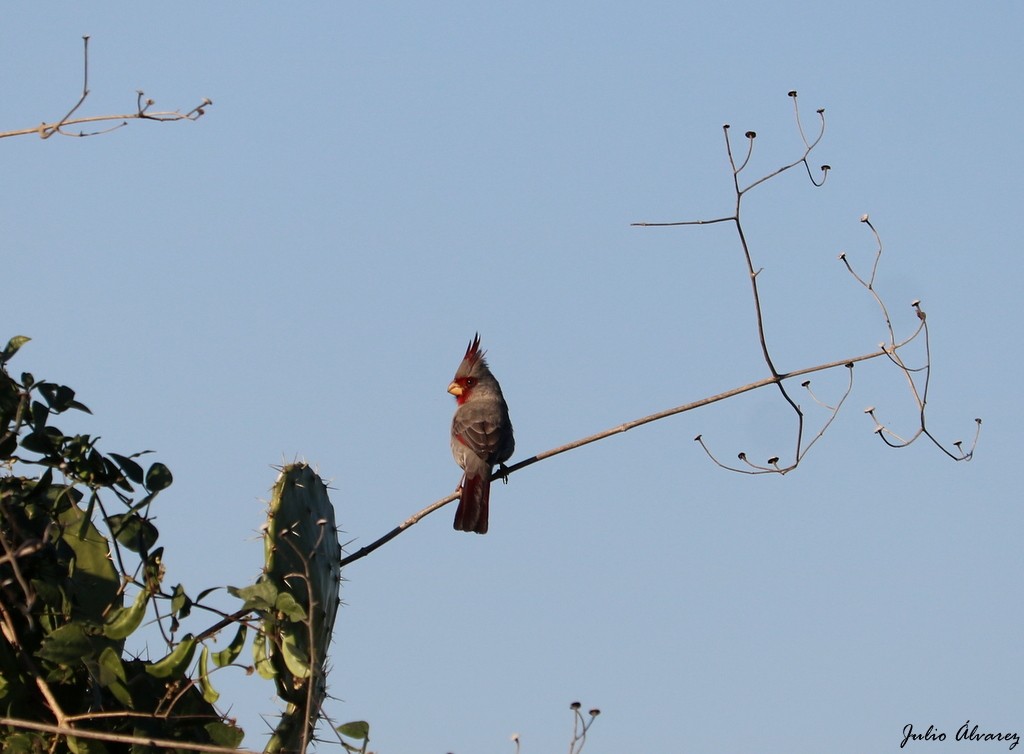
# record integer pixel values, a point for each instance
(471, 514)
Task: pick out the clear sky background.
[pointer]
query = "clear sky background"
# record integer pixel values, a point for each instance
(296, 275)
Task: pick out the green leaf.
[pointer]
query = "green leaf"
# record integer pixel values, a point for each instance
(59, 397)
(261, 658)
(295, 657)
(95, 581)
(44, 441)
(357, 729)
(110, 666)
(285, 603)
(131, 469)
(205, 687)
(230, 654)
(42, 485)
(176, 663)
(226, 735)
(206, 592)
(112, 676)
(133, 531)
(68, 645)
(49, 594)
(158, 477)
(124, 620)
(40, 413)
(181, 603)
(12, 347)
(259, 596)
(153, 569)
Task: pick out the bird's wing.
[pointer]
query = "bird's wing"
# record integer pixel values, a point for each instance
(478, 431)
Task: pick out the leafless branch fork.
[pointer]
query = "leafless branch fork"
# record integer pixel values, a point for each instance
(64, 125)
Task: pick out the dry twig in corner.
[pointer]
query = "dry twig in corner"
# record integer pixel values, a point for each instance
(142, 112)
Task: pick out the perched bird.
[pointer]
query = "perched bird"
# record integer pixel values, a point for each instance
(481, 435)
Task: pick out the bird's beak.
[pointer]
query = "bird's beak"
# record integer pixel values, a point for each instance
(455, 389)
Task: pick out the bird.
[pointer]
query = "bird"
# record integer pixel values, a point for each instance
(481, 436)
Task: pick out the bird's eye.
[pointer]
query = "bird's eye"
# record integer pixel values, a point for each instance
(470, 382)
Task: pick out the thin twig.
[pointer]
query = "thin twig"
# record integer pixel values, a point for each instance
(740, 191)
(892, 351)
(50, 131)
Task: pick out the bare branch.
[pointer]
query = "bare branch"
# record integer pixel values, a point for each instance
(413, 519)
(919, 393)
(85, 91)
(684, 222)
(46, 130)
(501, 473)
(580, 726)
(735, 218)
(891, 349)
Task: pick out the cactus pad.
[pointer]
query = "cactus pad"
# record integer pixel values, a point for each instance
(303, 563)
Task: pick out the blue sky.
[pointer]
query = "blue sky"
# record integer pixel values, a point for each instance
(296, 275)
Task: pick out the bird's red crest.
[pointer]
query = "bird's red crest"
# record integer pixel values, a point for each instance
(472, 368)
(473, 352)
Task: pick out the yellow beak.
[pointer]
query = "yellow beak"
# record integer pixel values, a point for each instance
(455, 389)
